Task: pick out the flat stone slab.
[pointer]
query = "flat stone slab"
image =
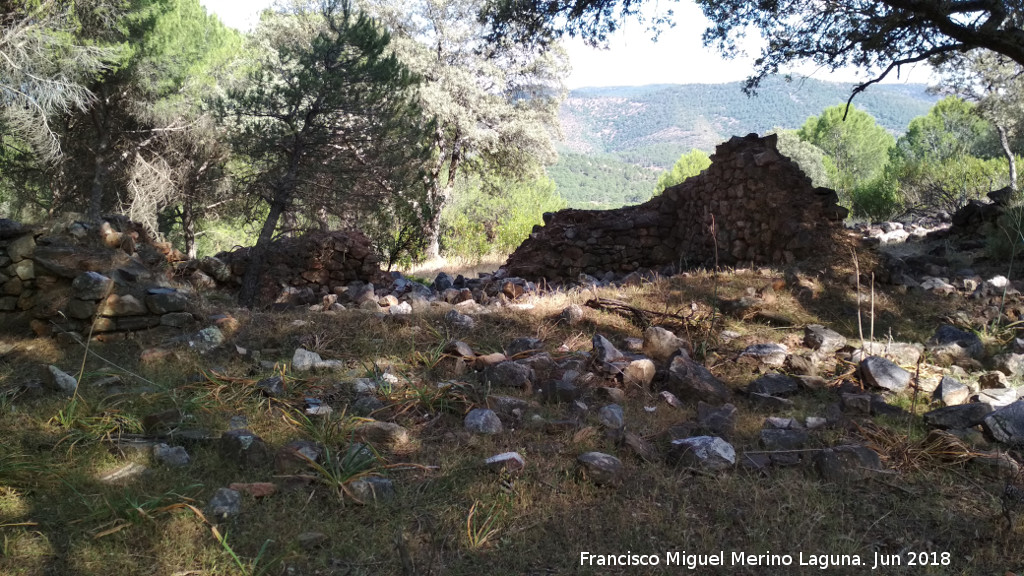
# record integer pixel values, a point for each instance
(959, 416)
(774, 384)
(881, 373)
(709, 452)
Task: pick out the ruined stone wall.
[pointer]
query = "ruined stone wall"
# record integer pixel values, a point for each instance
(302, 269)
(751, 205)
(79, 278)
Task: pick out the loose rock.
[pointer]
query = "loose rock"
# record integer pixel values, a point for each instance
(507, 461)
(605, 351)
(244, 448)
(960, 416)
(383, 433)
(372, 489)
(571, 315)
(601, 468)
(951, 391)
(822, 339)
(708, 452)
(612, 417)
(639, 373)
(950, 345)
(272, 387)
(661, 344)
(175, 457)
(882, 373)
(846, 463)
(690, 380)
(769, 354)
(483, 421)
(998, 397)
(1007, 424)
(62, 381)
(774, 384)
(509, 373)
(774, 439)
(1010, 364)
(225, 504)
(716, 420)
(455, 319)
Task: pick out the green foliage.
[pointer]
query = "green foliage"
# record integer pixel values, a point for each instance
(809, 157)
(1005, 241)
(857, 148)
(222, 234)
(951, 183)
(483, 220)
(690, 164)
(951, 129)
(601, 181)
(994, 84)
(877, 200)
(45, 70)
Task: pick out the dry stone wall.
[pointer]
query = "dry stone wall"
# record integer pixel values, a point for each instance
(80, 278)
(751, 205)
(303, 269)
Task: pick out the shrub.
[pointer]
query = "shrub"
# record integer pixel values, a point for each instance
(878, 199)
(495, 218)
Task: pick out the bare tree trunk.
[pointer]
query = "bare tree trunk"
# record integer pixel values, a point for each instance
(1010, 158)
(440, 198)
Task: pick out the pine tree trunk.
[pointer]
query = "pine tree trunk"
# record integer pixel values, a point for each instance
(251, 281)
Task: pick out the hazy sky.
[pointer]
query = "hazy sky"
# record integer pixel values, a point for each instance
(633, 59)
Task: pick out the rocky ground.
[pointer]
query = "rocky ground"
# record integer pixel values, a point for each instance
(491, 425)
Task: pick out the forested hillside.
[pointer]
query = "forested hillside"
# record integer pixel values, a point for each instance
(617, 139)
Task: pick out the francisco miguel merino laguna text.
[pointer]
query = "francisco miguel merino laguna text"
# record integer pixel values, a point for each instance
(694, 561)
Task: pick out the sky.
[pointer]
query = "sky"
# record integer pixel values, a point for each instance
(632, 58)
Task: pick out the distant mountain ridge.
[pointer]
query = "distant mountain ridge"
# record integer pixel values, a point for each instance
(613, 131)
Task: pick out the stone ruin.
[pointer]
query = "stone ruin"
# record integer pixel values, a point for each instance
(111, 280)
(298, 270)
(108, 280)
(751, 205)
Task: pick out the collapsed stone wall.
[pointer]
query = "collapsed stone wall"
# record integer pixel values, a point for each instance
(751, 205)
(82, 278)
(299, 270)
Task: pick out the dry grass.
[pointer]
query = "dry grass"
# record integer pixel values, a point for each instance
(452, 516)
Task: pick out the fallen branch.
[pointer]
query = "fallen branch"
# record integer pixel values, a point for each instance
(639, 316)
